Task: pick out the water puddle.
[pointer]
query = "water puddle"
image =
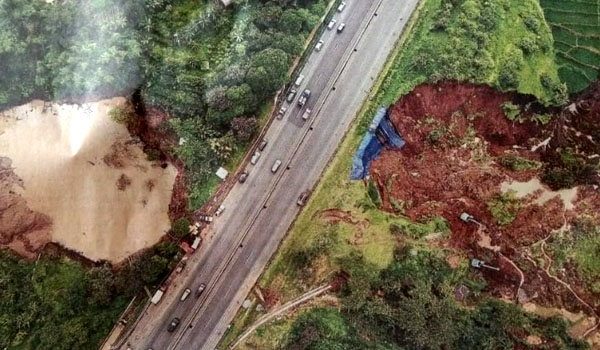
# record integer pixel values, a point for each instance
(540, 191)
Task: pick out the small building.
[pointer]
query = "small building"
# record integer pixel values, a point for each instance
(222, 173)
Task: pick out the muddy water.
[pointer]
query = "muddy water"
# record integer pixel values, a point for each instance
(61, 151)
(524, 189)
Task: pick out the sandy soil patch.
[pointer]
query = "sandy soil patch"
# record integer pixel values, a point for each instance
(71, 175)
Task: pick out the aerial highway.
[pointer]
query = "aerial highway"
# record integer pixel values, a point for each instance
(259, 212)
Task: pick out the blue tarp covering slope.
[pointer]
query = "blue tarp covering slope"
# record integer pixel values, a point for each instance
(381, 133)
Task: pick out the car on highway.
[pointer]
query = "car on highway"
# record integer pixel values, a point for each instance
(299, 80)
(206, 218)
(331, 24)
(303, 198)
(303, 98)
(306, 114)
(243, 177)
(341, 27)
(281, 112)
(220, 210)
(276, 166)
(200, 289)
(173, 325)
(186, 293)
(341, 7)
(291, 95)
(319, 45)
(255, 158)
(263, 144)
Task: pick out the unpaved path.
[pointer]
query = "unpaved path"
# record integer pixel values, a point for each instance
(281, 310)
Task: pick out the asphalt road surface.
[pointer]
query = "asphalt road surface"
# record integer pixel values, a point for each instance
(259, 212)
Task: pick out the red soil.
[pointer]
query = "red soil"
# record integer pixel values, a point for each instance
(149, 127)
(454, 135)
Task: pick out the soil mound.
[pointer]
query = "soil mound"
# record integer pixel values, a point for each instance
(463, 154)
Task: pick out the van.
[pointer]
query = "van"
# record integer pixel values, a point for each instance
(299, 80)
(276, 166)
(220, 210)
(306, 114)
(185, 294)
(255, 158)
(319, 45)
(196, 243)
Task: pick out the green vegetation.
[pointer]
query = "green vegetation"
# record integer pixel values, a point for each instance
(516, 163)
(56, 303)
(211, 68)
(580, 246)
(512, 111)
(504, 207)
(568, 169)
(214, 68)
(411, 305)
(180, 228)
(503, 43)
(68, 50)
(576, 29)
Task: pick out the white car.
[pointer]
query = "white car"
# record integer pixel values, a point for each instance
(331, 24)
(185, 294)
(306, 114)
(220, 210)
(299, 80)
(341, 7)
(255, 158)
(341, 27)
(276, 166)
(319, 45)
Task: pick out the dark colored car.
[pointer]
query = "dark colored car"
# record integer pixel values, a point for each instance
(173, 325)
(243, 177)
(200, 289)
(263, 144)
(303, 198)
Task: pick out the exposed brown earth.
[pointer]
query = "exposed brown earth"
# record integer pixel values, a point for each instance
(456, 134)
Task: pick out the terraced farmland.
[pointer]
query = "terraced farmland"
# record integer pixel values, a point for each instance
(576, 29)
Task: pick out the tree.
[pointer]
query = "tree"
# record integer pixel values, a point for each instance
(153, 269)
(180, 228)
(244, 128)
(267, 71)
(100, 282)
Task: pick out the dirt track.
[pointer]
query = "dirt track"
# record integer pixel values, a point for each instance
(456, 136)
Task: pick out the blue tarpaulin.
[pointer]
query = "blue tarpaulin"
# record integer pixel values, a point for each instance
(381, 133)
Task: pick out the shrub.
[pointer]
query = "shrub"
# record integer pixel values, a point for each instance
(180, 228)
(373, 193)
(512, 111)
(504, 207)
(516, 163)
